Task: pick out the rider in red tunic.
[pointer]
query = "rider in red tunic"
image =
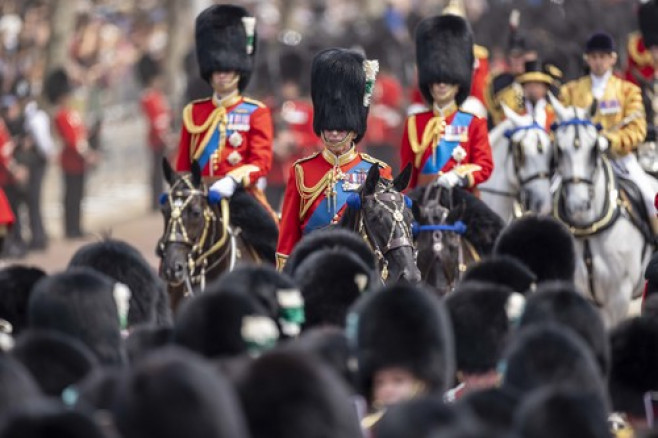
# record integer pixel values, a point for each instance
(446, 144)
(641, 65)
(228, 134)
(318, 186)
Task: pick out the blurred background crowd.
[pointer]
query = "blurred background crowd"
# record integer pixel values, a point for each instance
(99, 43)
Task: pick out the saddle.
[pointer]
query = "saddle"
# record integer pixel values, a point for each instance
(632, 200)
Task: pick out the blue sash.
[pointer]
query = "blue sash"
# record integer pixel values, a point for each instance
(448, 143)
(237, 120)
(324, 213)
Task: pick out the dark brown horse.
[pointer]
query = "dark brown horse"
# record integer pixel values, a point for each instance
(205, 236)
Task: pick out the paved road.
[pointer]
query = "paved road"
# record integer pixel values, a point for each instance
(142, 231)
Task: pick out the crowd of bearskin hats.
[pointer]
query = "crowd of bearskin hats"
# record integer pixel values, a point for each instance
(95, 351)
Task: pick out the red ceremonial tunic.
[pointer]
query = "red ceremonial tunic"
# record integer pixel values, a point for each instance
(6, 215)
(72, 131)
(640, 64)
(305, 203)
(478, 151)
(233, 138)
(156, 109)
(480, 72)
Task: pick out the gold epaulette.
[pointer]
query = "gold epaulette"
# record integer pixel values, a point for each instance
(258, 103)
(642, 59)
(369, 421)
(188, 119)
(480, 52)
(307, 158)
(373, 160)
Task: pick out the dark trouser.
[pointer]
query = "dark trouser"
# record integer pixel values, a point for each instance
(16, 197)
(37, 171)
(73, 191)
(157, 178)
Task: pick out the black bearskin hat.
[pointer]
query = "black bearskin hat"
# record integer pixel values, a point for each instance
(481, 324)
(550, 355)
(543, 244)
(402, 326)
(48, 419)
(147, 69)
(57, 85)
(287, 394)
(16, 284)
(274, 293)
(648, 17)
(444, 53)
(144, 339)
(120, 261)
(422, 417)
(634, 364)
(172, 394)
(554, 412)
(338, 90)
(560, 302)
(17, 386)
(329, 344)
(223, 323)
(339, 238)
(222, 41)
(55, 360)
(493, 407)
(505, 271)
(331, 280)
(80, 303)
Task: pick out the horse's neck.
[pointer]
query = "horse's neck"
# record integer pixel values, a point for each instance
(600, 187)
(501, 179)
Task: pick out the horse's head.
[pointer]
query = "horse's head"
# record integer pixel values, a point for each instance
(579, 149)
(189, 222)
(382, 215)
(532, 161)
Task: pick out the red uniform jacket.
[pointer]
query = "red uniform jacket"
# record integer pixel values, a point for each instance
(6, 154)
(6, 215)
(640, 64)
(157, 112)
(233, 138)
(478, 150)
(480, 72)
(72, 131)
(305, 203)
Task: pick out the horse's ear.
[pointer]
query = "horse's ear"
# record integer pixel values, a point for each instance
(196, 174)
(560, 110)
(372, 179)
(512, 115)
(169, 174)
(401, 181)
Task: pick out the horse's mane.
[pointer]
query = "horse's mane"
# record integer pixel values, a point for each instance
(483, 225)
(257, 225)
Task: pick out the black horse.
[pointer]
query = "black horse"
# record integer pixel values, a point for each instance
(455, 230)
(205, 236)
(382, 215)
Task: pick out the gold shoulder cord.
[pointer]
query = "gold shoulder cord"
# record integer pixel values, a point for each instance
(216, 118)
(308, 195)
(431, 135)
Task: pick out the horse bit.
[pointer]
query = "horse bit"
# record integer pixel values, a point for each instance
(397, 213)
(197, 257)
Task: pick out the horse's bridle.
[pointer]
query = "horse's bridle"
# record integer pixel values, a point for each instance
(199, 253)
(397, 213)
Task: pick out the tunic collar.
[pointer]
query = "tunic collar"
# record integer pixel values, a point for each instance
(226, 101)
(341, 160)
(445, 111)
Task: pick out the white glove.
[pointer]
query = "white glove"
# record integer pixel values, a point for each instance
(449, 180)
(225, 186)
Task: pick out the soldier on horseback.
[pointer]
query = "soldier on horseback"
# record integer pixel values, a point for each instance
(319, 185)
(446, 144)
(616, 105)
(228, 134)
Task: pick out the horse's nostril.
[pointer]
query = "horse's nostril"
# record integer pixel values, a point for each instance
(178, 267)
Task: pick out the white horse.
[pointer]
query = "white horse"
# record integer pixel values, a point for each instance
(611, 252)
(523, 156)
